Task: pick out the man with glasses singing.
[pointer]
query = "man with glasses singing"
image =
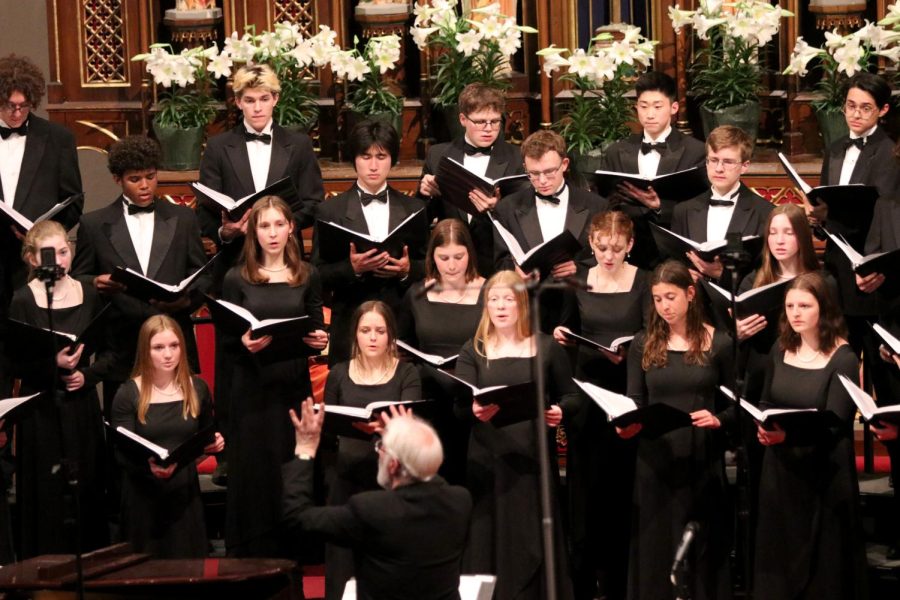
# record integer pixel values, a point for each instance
(408, 538)
(481, 111)
(728, 206)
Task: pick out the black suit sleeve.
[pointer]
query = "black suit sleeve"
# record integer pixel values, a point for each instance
(210, 176)
(69, 180)
(637, 385)
(308, 181)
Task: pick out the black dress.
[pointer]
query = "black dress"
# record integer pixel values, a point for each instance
(162, 517)
(441, 328)
(599, 463)
(503, 477)
(680, 477)
(41, 495)
(263, 387)
(357, 464)
(809, 540)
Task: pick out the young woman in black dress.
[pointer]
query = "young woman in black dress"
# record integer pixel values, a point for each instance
(502, 470)
(162, 512)
(270, 376)
(679, 476)
(49, 430)
(600, 464)
(439, 321)
(374, 373)
(809, 537)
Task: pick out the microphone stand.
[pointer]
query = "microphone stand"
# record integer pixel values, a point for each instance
(49, 274)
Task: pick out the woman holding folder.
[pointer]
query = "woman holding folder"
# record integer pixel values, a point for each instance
(270, 375)
(373, 374)
(809, 537)
(600, 464)
(502, 470)
(680, 475)
(50, 428)
(162, 512)
(438, 317)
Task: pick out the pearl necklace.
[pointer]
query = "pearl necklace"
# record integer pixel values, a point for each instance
(174, 391)
(445, 300)
(274, 270)
(597, 281)
(366, 379)
(809, 360)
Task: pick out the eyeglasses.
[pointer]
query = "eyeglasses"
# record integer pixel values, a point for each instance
(865, 110)
(729, 164)
(11, 108)
(484, 123)
(536, 175)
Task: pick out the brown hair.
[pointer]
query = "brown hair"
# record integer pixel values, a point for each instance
(378, 307)
(298, 269)
(729, 136)
(41, 231)
(657, 342)
(143, 368)
(612, 223)
(831, 325)
(477, 97)
(450, 231)
(770, 269)
(20, 74)
(503, 279)
(541, 142)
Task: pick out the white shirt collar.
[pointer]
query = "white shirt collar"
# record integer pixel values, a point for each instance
(266, 129)
(728, 195)
(853, 136)
(662, 137)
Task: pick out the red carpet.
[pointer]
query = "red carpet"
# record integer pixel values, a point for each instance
(314, 582)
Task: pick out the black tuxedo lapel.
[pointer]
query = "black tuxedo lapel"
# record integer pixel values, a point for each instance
(397, 209)
(356, 220)
(668, 162)
(630, 156)
(526, 215)
(576, 216)
(835, 163)
(117, 231)
(864, 162)
(35, 143)
(742, 213)
(164, 226)
(236, 151)
(496, 166)
(281, 155)
(697, 218)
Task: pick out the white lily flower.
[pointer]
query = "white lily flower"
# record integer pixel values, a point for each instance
(711, 7)
(468, 41)
(510, 43)
(420, 35)
(220, 65)
(241, 49)
(892, 53)
(603, 67)
(581, 64)
(553, 62)
(702, 25)
(848, 57)
(491, 28)
(356, 69)
(680, 18)
(834, 40)
(621, 52)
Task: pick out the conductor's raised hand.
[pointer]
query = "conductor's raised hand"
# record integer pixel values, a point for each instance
(161, 472)
(370, 260)
(307, 427)
(255, 345)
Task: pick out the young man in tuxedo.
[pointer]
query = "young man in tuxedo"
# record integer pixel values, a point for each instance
(544, 210)
(657, 150)
(728, 206)
(38, 169)
(156, 238)
(371, 207)
(481, 110)
(408, 538)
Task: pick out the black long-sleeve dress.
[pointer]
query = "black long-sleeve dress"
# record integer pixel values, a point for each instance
(809, 539)
(263, 387)
(162, 517)
(600, 464)
(503, 477)
(441, 328)
(680, 477)
(357, 464)
(47, 431)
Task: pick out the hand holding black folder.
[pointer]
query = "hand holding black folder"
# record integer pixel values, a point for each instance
(655, 419)
(678, 186)
(675, 246)
(23, 223)
(236, 320)
(517, 402)
(455, 183)
(334, 240)
(787, 419)
(766, 300)
(885, 263)
(146, 289)
(141, 449)
(236, 207)
(544, 256)
(351, 421)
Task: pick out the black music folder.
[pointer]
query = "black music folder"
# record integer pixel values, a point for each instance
(455, 183)
(432, 359)
(146, 289)
(621, 411)
(675, 246)
(870, 411)
(766, 300)
(802, 419)
(140, 448)
(678, 186)
(334, 240)
(236, 207)
(544, 256)
(613, 351)
(342, 420)
(33, 341)
(237, 320)
(885, 263)
(8, 405)
(16, 218)
(517, 402)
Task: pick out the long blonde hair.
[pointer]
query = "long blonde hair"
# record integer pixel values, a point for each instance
(41, 231)
(503, 279)
(143, 368)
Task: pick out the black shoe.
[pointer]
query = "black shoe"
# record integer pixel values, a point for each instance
(893, 552)
(220, 474)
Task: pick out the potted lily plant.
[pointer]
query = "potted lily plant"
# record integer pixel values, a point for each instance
(726, 74)
(185, 105)
(601, 76)
(472, 47)
(840, 59)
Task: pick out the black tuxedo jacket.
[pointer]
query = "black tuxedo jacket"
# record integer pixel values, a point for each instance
(505, 160)
(682, 152)
(104, 243)
(884, 236)
(226, 167)
(407, 542)
(876, 166)
(346, 289)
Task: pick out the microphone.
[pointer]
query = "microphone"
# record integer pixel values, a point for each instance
(687, 538)
(49, 272)
(734, 253)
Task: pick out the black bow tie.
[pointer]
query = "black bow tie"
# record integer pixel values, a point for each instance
(859, 142)
(265, 138)
(22, 129)
(474, 150)
(729, 201)
(552, 198)
(134, 209)
(648, 147)
(366, 198)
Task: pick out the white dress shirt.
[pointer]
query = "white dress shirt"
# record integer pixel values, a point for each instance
(718, 217)
(552, 217)
(260, 155)
(378, 215)
(851, 156)
(12, 149)
(648, 164)
(140, 229)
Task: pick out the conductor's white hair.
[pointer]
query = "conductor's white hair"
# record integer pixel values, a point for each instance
(416, 445)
